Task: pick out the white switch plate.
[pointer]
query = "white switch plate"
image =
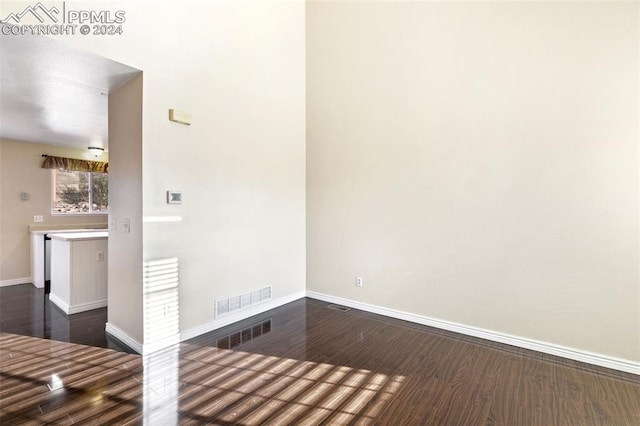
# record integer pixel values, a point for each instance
(38, 218)
(113, 224)
(126, 225)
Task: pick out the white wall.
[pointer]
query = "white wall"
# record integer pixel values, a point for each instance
(478, 163)
(125, 202)
(238, 67)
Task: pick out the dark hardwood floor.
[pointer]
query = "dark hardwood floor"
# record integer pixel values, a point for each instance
(26, 310)
(305, 363)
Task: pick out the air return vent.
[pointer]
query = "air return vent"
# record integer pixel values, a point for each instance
(242, 301)
(339, 308)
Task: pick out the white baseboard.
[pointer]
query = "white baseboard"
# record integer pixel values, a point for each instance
(15, 281)
(140, 348)
(74, 309)
(59, 303)
(239, 316)
(522, 342)
(205, 328)
(124, 337)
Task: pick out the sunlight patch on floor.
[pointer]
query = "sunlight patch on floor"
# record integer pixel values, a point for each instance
(256, 389)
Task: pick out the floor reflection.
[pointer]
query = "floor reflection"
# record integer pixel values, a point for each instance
(49, 382)
(247, 334)
(27, 311)
(53, 382)
(223, 386)
(161, 385)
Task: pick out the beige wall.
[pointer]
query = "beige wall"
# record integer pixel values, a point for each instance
(20, 171)
(474, 162)
(478, 163)
(125, 202)
(238, 67)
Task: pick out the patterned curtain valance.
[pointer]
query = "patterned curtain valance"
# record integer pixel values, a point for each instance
(74, 164)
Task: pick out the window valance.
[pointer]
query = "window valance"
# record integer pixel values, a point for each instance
(51, 162)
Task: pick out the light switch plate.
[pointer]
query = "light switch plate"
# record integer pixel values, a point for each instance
(126, 225)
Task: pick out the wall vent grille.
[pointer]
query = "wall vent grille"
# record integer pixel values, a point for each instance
(242, 301)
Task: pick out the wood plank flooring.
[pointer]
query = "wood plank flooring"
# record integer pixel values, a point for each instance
(305, 363)
(26, 310)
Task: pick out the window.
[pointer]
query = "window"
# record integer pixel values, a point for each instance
(79, 192)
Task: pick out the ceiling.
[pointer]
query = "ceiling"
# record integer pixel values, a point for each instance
(53, 94)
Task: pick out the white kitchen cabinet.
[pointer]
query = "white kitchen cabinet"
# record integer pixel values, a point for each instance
(79, 271)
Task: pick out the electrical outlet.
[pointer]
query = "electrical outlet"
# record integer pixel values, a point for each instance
(358, 281)
(113, 224)
(100, 256)
(38, 218)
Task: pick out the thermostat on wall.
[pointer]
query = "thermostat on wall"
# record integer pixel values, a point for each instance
(174, 197)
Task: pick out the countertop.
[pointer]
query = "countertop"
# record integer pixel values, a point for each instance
(84, 235)
(60, 231)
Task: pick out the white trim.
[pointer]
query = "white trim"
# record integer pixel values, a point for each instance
(15, 281)
(240, 315)
(522, 342)
(59, 303)
(137, 346)
(123, 337)
(74, 309)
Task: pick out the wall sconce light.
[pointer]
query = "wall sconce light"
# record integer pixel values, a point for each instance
(95, 151)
